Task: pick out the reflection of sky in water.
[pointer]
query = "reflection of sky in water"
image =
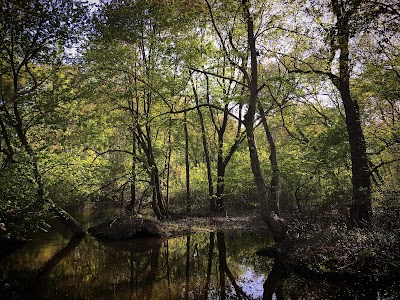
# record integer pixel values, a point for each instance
(251, 282)
(95, 270)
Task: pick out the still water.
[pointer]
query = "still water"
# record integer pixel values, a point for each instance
(214, 265)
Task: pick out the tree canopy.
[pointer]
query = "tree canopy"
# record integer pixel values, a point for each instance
(165, 107)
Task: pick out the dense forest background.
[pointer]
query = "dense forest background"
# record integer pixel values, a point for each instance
(198, 106)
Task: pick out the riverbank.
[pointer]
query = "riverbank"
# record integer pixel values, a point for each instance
(320, 245)
(184, 225)
(318, 248)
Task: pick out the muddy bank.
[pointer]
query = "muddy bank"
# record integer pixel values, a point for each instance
(125, 228)
(184, 225)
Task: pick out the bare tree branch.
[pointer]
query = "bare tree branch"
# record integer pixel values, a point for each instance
(219, 76)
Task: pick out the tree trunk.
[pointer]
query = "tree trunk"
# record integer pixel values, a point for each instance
(361, 207)
(206, 153)
(154, 169)
(134, 114)
(168, 167)
(157, 195)
(274, 185)
(9, 152)
(131, 205)
(276, 225)
(222, 162)
(64, 216)
(145, 142)
(220, 205)
(187, 167)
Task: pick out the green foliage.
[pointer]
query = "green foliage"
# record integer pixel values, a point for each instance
(18, 192)
(33, 37)
(89, 123)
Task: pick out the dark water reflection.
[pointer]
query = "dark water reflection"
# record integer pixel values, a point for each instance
(202, 266)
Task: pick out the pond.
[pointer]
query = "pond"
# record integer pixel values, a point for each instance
(217, 265)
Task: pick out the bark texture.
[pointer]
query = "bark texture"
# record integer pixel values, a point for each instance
(361, 206)
(274, 185)
(187, 166)
(276, 225)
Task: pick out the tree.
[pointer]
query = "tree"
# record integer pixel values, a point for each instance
(187, 165)
(378, 94)
(149, 70)
(276, 225)
(33, 39)
(223, 94)
(205, 149)
(274, 185)
(360, 210)
(246, 62)
(344, 21)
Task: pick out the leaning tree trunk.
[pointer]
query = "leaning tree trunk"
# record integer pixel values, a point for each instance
(144, 141)
(157, 204)
(276, 225)
(274, 185)
(361, 206)
(155, 176)
(8, 151)
(61, 214)
(222, 162)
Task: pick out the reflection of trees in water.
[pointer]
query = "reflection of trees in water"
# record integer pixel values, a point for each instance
(285, 283)
(142, 259)
(100, 270)
(148, 287)
(208, 266)
(187, 273)
(225, 271)
(273, 286)
(30, 286)
(60, 255)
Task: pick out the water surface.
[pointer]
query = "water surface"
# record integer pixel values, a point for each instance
(216, 265)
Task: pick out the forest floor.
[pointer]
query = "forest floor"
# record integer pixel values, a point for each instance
(322, 246)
